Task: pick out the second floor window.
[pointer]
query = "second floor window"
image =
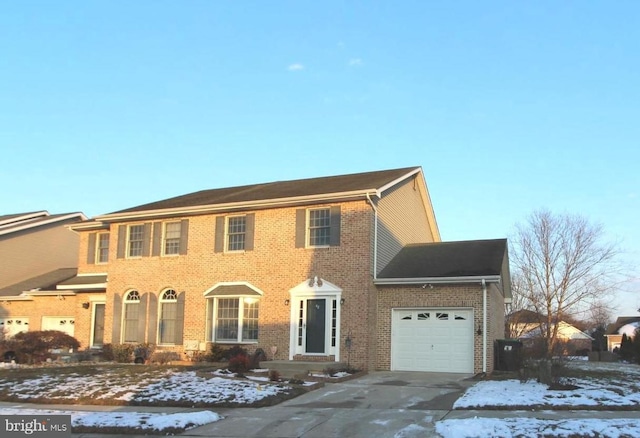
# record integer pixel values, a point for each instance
(103, 248)
(172, 233)
(136, 240)
(236, 232)
(319, 227)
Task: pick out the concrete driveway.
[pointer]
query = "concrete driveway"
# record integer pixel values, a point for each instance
(380, 404)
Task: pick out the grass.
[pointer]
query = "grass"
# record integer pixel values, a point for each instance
(138, 385)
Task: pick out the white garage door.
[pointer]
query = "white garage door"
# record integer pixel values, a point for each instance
(63, 324)
(436, 340)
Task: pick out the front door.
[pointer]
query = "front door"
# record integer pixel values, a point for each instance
(316, 326)
(98, 325)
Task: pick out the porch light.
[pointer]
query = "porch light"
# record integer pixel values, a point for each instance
(85, 305)
(286, 302)
(341, 301)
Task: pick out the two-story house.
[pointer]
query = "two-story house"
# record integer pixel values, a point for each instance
(345, 268)
(37, 251)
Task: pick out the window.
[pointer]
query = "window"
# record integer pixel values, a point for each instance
(236, 319)
(168, 317)
(319, 227)
(236, 233)
(103, 248)
(172, 233)
(131, 315)
(136, 240)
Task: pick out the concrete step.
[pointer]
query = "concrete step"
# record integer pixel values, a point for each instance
(291, 368)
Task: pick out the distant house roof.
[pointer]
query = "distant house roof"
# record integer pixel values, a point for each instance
(43, 282)
(525, 316)
(614, 328)
(279, 192)
(473, 258)
(13, 223)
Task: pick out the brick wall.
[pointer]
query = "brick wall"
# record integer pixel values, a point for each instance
(450, 296)
(274, 266)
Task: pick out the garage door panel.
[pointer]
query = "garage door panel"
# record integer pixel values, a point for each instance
(437, 340)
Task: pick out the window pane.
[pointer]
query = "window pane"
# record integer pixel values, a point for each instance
(227, 319)
(168, 312)
(131, 322)
(136, 234)
(172, 238)
(250, 321)
(319, 227)
(236, 232)
(103, 247)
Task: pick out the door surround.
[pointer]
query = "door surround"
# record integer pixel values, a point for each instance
(314, 289)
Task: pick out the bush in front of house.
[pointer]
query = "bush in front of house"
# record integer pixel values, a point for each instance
(239, 363)
(164, 357)
(36, 346)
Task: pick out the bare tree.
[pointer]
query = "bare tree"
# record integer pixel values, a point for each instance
(563, 266)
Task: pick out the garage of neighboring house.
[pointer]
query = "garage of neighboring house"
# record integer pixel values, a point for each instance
(432, 339)
(440, 306)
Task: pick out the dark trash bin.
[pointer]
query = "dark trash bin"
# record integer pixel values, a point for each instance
(508, 354)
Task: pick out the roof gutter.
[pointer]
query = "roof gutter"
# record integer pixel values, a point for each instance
(440, 280)
(213, 208)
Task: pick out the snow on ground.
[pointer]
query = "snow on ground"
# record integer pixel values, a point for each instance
(138, 420)
(618, 388)
(169, 385)
(534, 428)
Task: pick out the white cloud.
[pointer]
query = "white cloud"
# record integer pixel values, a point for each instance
(355, 62)
(295, 67)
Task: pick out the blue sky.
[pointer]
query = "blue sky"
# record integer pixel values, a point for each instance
(507, 106)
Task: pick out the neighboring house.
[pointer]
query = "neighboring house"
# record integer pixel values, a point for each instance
(346, 268)
(37, 250)
(526, 326)
(623, 325)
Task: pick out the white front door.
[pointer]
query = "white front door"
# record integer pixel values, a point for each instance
(432, 339)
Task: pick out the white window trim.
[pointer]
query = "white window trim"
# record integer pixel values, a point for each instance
(126, 301)
(226, 235)
(307, 238)
(128, 247)
(97, 259)
(214, 317)
(164, 239)
(162, 301)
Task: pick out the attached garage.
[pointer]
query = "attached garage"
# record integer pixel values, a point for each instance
(432, 339)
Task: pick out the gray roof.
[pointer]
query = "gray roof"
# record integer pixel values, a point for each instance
(279, 190)
(612, 329)
(12, 223)
(232, 289)
(84, 282)
(46, 281)
(448, 259)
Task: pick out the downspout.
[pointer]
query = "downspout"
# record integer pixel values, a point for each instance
(484, 326)
(375, 237)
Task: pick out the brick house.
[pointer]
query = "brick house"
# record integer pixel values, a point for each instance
(37, 251)
(347, 268)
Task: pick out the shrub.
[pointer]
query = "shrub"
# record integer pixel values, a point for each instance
(143, 352)
(122, 353)
(329, 371)
(217, 353)
(239, 363)
(164, 357)
(550, 372)
(35, 346)
(274, 376)
(234, 351)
